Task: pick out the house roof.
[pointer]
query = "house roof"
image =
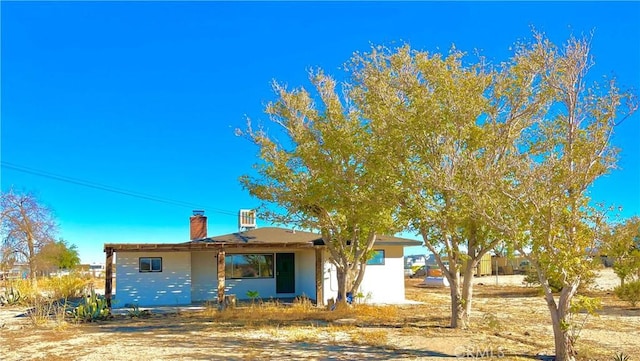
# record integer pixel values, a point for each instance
(396, 241)
(259, 237)
(267, 235)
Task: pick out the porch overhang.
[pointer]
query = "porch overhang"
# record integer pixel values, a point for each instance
(197, 246)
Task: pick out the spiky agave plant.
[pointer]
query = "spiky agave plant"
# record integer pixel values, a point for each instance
(92, 308)
(621, 356)
(11, 297)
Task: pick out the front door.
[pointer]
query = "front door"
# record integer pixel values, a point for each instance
(285, 275)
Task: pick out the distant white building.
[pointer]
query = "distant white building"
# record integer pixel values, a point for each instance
(93, 269)
(19, 270)
(416, 260)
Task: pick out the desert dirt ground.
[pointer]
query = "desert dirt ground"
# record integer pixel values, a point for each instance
(510, 321)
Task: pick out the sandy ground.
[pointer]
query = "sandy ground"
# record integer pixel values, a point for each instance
(606, 280)
(510, 322)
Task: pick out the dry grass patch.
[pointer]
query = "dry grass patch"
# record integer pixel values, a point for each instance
(264, 313)
(373, 314)
(47, 313)
(293, 333)
(377, 338)
(57, 288)
(275, 313)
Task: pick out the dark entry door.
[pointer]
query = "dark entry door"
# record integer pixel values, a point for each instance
(285, 275)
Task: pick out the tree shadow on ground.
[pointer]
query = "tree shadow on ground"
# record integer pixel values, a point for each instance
(619, 311)
(522, 292)
(220, 345)
(169, 322)
(215, 346)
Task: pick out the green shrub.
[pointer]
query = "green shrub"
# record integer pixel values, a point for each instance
(135, 312)
(253, 295)
(630, 292)
(91, 308)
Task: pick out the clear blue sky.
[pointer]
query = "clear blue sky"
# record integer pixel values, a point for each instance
(145, 96)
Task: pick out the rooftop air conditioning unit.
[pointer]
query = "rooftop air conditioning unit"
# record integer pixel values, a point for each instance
(247, 219)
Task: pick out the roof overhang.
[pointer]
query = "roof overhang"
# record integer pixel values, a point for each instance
(200, 246)
(268, 237)
(407, 243)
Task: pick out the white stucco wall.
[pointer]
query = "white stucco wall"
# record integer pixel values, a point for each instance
(381, 283)
(385, 283)
(204, 276)
(192, 277)
(330, 280)
(170, 287)
(306, 273)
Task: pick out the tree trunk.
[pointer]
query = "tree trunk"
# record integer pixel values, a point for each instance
(564, 346)
(31, 260)
(357, 280)
(467, 293)
(341, 275)
(456, 299)
(349, 273)
(32, 272)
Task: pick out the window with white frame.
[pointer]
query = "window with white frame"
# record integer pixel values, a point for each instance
(150, 264)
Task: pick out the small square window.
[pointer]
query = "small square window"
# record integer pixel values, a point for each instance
(377, 259)
(150, 264)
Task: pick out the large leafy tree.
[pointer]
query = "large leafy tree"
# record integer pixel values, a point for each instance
(564, 152)
(27, 227)
(323, 168)
(453, 124)
(59, 255)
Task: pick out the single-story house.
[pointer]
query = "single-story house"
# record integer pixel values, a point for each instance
(275, 262)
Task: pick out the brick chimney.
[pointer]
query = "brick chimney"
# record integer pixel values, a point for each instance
(198, 225)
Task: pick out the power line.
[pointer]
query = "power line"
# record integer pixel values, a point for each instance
(112, 189)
